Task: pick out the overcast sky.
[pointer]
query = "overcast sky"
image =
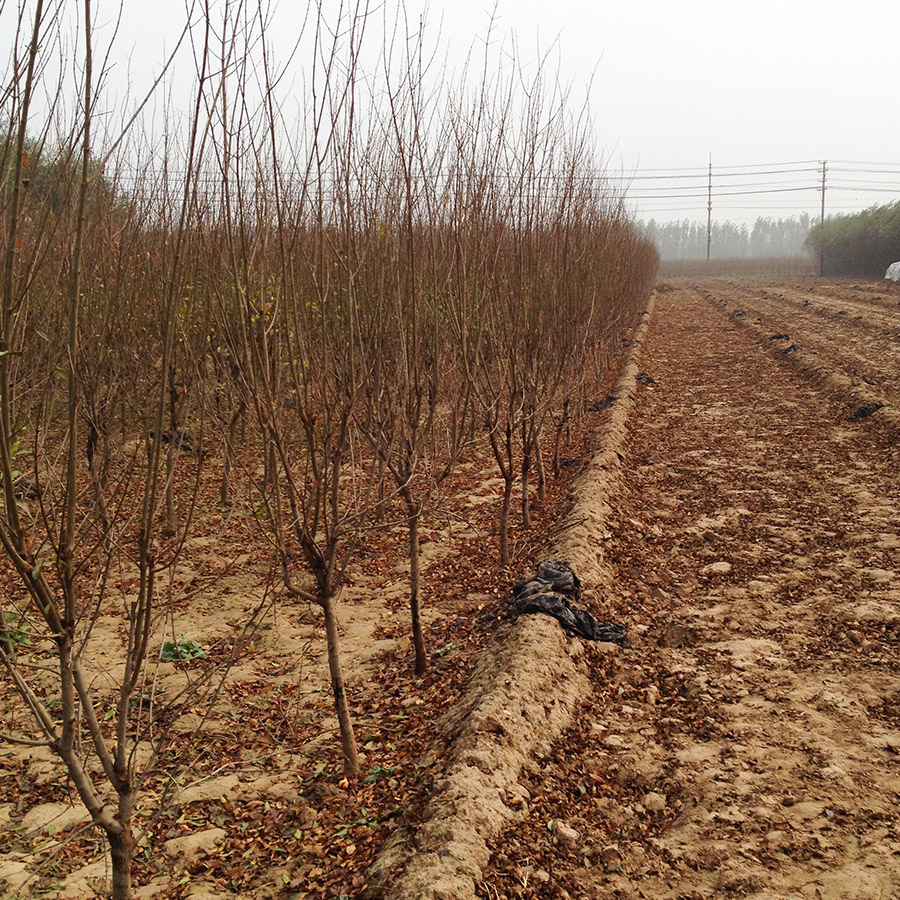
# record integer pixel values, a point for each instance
(754, 84)
(766, 87)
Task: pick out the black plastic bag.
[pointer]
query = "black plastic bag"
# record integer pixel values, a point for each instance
(551, 594)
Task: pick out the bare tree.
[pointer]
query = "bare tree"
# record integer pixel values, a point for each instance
(416, 398)
(63, 556)
(293, 241)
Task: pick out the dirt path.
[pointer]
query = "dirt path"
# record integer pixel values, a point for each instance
(747, 744)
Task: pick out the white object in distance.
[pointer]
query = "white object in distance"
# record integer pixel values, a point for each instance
(893, 272)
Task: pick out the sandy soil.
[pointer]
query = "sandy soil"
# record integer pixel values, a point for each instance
(746, 744)
(863, 344)
(247, 734)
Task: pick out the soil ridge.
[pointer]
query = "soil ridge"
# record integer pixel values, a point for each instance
(852, 391)
(521, 698)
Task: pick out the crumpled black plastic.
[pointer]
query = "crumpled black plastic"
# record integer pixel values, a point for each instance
(552, 593)
(867, 409)
(605, 403)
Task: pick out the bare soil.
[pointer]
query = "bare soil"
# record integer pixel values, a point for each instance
(246, 797)
(747, 742)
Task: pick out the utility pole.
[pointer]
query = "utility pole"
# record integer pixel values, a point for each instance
(822, 223)
(709, 212)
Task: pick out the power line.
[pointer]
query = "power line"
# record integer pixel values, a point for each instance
(701, 175)
(871, 181)
(851, 162)
(874, 190)
(786, 190)
(868, 171)
(744, 184)
(724, 185)
(701, 170)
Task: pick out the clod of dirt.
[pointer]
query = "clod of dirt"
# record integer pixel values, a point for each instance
(566, 835)
(14, 875)
(611, 859)
(53, 818)
(192, 844)
(678, 636)
(717, 568)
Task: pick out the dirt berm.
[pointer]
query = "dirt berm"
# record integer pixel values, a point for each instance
(521, 697)
(853, 392)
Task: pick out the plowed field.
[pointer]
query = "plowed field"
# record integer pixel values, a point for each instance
(747, 742)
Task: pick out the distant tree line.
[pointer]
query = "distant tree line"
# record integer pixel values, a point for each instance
(767, 238)
(863, 243)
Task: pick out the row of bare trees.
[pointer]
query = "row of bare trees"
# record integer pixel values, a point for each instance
(335, 306)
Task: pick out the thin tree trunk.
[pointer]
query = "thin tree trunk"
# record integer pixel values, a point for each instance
(414, 584)
(505, 460)
(97, 478)
(225, 484)
(171, 515)
(504, 518)
(106, 464)
(224, 488)
(526, 469)
(556, 442)
(539, 465)
(6, 643)
(381, 504)
(348, 737)
(173, 447)
(269, 475)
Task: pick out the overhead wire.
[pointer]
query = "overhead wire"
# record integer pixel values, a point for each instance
(663, 191)
(704, 174)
